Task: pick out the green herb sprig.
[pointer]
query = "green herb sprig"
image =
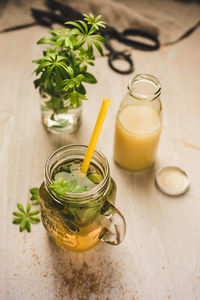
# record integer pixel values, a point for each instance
(61, 186)
(63, 68)
(25, 217)
(34, 196)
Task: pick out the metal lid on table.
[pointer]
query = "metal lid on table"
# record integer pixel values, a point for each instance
(172, 180)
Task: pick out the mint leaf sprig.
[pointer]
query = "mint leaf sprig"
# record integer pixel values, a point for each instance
(61, 187)
(25, 218)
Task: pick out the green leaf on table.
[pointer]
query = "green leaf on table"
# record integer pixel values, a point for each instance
(35, 195)
(20, 207)
(24, 217)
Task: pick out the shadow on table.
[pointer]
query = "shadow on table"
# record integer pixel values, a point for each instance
(80, 275)
(146, 178)
(137, 183)
(59, 140)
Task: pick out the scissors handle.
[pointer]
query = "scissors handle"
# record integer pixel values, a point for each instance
(120, 56)
(138, 45)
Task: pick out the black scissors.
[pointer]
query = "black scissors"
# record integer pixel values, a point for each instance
(127, 37)
(60, 13)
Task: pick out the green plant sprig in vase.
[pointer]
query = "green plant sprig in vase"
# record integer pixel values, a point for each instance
(62, 71)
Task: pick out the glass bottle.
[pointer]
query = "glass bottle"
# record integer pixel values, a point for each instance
(80, 221)
(138, 124)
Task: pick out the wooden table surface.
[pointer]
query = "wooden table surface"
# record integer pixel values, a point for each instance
(160, 256)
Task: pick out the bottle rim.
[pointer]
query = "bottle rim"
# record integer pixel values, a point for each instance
(147, 78)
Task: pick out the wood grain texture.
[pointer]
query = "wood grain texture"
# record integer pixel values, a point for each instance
(160, 256)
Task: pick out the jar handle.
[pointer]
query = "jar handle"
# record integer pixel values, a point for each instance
(114, 225)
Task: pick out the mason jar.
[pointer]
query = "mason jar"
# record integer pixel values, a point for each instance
(79, 221)
(138, 124)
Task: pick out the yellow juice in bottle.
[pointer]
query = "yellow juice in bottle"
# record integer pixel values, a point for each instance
(137, 133)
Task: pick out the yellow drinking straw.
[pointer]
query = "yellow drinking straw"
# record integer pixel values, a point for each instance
(95, 135)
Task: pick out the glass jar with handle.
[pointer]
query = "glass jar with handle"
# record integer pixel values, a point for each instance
(78, 220)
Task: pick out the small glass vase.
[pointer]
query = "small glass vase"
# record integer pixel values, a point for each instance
(58, 115)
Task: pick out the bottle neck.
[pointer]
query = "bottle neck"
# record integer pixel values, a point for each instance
(144, 87)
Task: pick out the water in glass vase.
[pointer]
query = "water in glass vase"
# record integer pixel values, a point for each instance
(75, 224)
(66, 120)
